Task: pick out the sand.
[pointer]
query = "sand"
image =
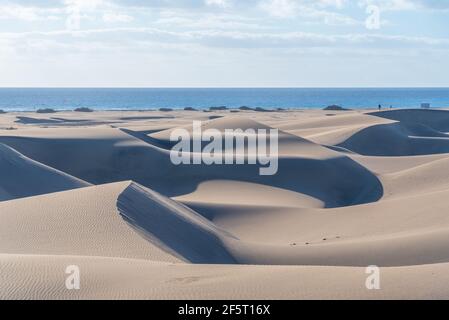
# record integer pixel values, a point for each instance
(98, 190)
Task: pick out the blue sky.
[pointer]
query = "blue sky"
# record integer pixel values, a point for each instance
(224, 43)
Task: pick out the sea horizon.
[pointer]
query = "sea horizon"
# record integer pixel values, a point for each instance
(140, 98)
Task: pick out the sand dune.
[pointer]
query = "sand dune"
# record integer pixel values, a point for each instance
(436, 119)
(244, 194)
(353, 189)
(22, 177)
(168, 231)
(173, 227)
(383, 234)
(338, 119)
(115, 156)
(427, 178)
(111, 278)
(398, 139)
(83, 222)
(416, 132)
(386, 165)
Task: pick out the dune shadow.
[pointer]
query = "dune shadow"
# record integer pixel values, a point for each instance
(173, 227)
(54, 121)
(337, 181)
(435, 119)
(417, 132)
(63, 120)
(29, 120)
(145, 137)
(137, 118)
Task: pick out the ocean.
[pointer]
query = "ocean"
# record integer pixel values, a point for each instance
(30, 99)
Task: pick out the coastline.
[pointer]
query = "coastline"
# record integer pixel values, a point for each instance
(116, 99)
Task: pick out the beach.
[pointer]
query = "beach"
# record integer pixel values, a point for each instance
(99, 190)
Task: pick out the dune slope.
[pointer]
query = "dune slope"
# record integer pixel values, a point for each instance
(172, 226)
(110, 278)
(398, 139)
(83, 222)
(22, 177)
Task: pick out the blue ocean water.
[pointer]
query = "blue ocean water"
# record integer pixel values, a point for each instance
(140, 99)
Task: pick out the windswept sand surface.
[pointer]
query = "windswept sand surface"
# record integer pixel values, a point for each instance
(98, 190)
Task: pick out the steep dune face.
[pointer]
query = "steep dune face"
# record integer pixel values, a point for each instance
(97, 155)
(82, 222)
(173, 227)
(435, 119)
(417, 132)
(399, 139)
(22, 177)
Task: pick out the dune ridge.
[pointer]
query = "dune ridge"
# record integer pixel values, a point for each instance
(173, 227)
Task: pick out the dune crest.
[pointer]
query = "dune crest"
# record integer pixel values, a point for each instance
(173, 227)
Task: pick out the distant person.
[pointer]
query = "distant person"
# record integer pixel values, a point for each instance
(380, 107)
(391, 107)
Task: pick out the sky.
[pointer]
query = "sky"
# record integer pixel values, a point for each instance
(224, 43)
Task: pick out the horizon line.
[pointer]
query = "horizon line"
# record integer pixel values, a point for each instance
(226, 87)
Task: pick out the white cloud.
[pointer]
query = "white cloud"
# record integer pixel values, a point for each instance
(280, 8)
(220, 21)
(218, 3)
(18, 12)
(230, 39)
(403, 5)
(112, 17)
(189, 42)
(334, 3)
(26, 13)
(308, 11)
